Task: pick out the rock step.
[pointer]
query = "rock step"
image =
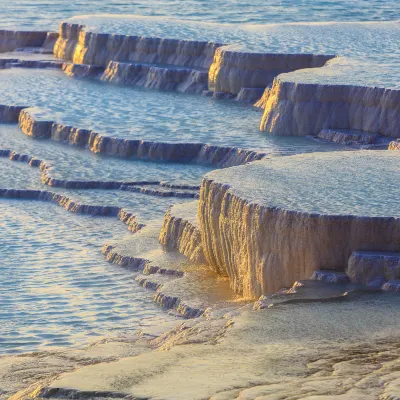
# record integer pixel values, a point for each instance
(192, 294)
(18, 63)
(330, 276)
(367, 267)
(179, 186)
(311, 291)
(181, 232)
(391, 286)
(153, 76)
(366, 140)
(179, 284)
(143, 252)
(157, 190)
(33, 122)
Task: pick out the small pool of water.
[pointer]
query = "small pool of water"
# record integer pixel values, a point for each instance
(363, 183)
(18, 175)
(74, 163)
(56, 289)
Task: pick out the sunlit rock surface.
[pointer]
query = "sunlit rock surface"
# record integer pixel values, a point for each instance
(181, 232)
(394, 145)
(233, 70)
(178, 283)
(270, 223)
(305, 109)
(83, 47)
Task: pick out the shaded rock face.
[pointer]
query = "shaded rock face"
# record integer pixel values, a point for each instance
(250, 95)
(12, 40)
(306, 109)
(366, 267)
(82, 47)
(184, 80)
(263, 249)
(233, 70)
(351, 137)
(10, 113)
(82, 70)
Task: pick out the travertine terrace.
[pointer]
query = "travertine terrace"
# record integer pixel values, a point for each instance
(237, 230)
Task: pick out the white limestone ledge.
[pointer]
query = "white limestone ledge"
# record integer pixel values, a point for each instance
(233, 70)
(83, 47)
(301, 109)
(33, 122)
(12, 40)
(263, 246)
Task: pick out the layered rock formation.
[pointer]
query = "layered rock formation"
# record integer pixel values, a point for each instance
(12, 40)
(181, 232)
(233, 70)
(185, 80)
(83, 47)
(301, 109)
(263, 247)
(367, 267)
(33, 124)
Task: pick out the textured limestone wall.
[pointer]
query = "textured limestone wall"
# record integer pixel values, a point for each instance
(233, 70)
(11, 40)
(82, 70)
(263, 249)
(83, 47)
(305, 109)
(32, 125)
(181, 232)
(183, 80)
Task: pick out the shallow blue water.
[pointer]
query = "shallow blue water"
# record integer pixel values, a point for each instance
(136, 113)
(56, 288)
(74, 163)
(44, 14)
(369, 52)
